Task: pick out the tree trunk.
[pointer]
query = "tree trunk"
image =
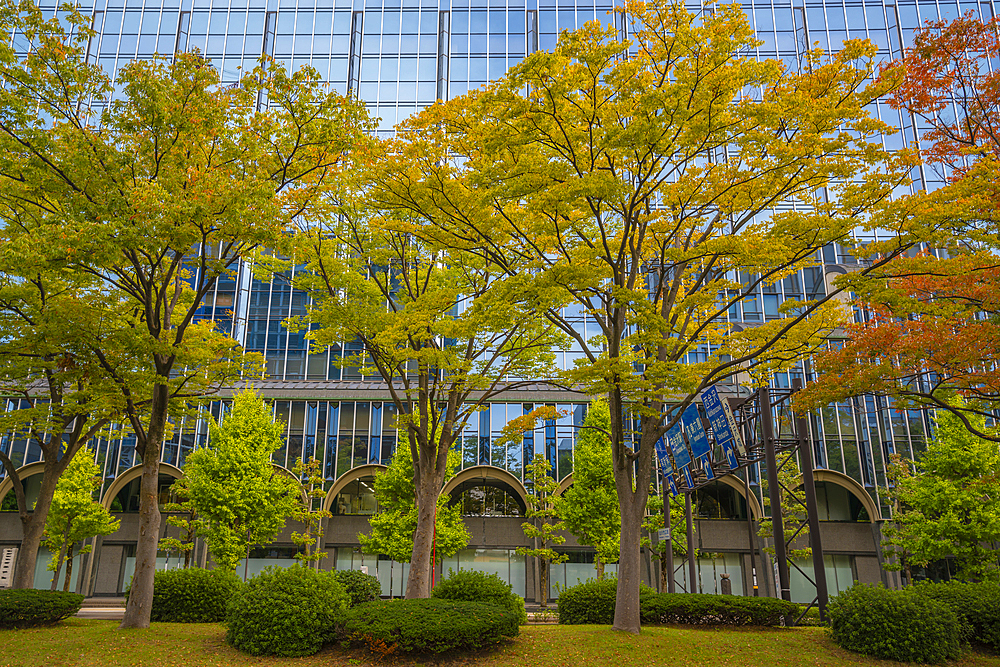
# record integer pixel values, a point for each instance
(666, 568)
(33, 528)
(629, 563)
(599, 564)
(543, 581)
(69, 568)
(140, 600)
(418, 584)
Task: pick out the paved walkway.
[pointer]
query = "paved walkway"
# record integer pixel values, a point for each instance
(103, 608)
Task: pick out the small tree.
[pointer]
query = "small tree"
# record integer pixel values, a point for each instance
(74, 515)
(186, 520)
(951, 506)
(589, 508)
(544, 535)
(678, 538)
(310, 512)
(897, 540)
(395, 523)
(793, 512)
(234, 487)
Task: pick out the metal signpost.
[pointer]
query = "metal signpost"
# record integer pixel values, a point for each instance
(745, 432)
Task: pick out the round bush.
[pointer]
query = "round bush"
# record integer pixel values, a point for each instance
(592, 601)
(360, 587)
(475, 586)
(289, 611)
(25, 608)
(192, 595)
(977, 606)
(428, 625)
(894, 625)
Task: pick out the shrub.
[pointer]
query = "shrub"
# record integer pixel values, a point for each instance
(977, 606)
(286, 611)
(474, 586)
(895, 625)
(192, 595)
(688, 609)
(27, 608)
(360, 587)
(592, 602)
(428, 625)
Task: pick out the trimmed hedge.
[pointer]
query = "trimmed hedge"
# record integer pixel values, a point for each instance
(592, 602)
(977, 606)
(895, 625)
(475, 586)
(192, 595)
(360, 587)
(703, 609)
(289, 611)
(25, 608)
(428, 625)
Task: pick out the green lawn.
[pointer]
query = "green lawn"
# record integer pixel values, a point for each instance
(99, 643)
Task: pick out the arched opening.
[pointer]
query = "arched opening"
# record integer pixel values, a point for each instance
(32, 487)
(836, 503)
(356, 497)
(123, 493)
(127, 499)
(720, 501)
(487, 497)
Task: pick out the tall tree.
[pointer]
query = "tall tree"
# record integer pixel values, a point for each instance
(589, 508)
(660, 185)
(543, 527)
(75, 515)
(394, 525)
(443, 330)
(157, 190)
(241, 499)
(931, 328)
(58, 395)
(951, 506)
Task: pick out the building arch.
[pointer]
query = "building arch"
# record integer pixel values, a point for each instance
(24, 472)
(487, 473)
(852, 486)
(131, 474)
(564, 484)
(368, 470)
(752, 503)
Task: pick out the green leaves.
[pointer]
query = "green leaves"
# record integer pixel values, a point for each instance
(395, 522)
(74, 514)
(589, 508)
(240, 497)
(950, 507)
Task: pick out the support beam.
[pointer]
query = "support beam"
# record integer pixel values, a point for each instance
(692, 575)
(774, 492)
(809, 486)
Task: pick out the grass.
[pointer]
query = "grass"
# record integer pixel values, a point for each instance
(79, 642)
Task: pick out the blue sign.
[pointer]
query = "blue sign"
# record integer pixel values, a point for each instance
(661, 455)
(706, 465)
(730, 455)
(673, 487)
(695, 431)
(722, 421)
(687, 477)
(675, 438)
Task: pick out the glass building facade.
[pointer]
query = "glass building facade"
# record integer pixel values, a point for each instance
(399, 56)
